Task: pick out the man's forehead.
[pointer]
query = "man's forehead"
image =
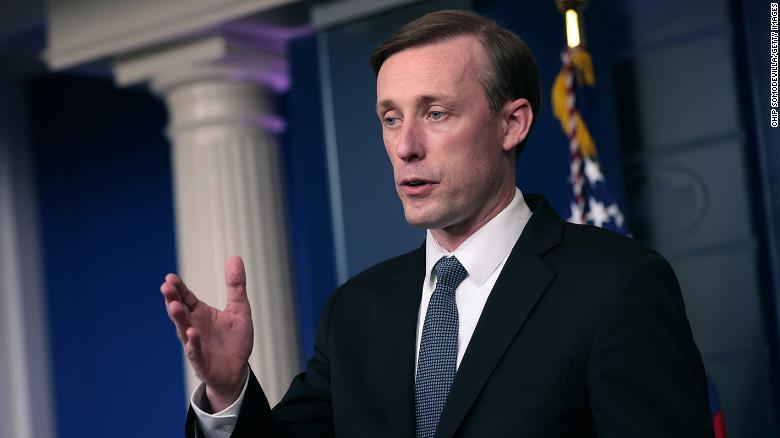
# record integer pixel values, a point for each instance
(465, 49)
(434, 70)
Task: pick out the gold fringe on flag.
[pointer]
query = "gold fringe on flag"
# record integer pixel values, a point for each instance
(582, 66)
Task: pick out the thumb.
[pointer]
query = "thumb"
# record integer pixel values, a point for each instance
(235, 279)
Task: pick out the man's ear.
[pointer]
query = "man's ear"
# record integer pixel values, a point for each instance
(518, 117)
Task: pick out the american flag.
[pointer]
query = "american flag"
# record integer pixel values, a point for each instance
(591, 201)
(598, 206)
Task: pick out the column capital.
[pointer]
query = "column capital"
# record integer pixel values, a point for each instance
(220, 80)
(220, 54)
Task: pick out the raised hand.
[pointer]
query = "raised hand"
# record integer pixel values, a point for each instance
(217, 343)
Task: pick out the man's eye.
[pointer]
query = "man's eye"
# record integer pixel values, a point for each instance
(436, 115)
(390, 121)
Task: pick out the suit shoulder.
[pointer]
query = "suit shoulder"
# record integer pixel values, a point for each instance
(601, 253)
(595, 266)
(600, 243)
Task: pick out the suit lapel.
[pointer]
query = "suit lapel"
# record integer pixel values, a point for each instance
(522, 282)
(397, 335)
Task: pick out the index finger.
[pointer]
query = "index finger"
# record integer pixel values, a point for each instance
(186, 296)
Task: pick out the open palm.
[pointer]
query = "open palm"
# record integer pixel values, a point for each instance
(217, 342)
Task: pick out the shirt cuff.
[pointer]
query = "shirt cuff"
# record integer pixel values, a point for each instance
(220, 424)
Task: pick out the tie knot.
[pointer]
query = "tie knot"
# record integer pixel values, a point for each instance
(449, 272)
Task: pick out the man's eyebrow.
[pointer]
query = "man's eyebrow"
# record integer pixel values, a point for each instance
(430, 98)
(385, 104)
(421, 100)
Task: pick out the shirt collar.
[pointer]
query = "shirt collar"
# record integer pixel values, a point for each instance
(483, 251)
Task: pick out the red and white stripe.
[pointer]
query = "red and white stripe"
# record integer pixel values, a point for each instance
(575, 157)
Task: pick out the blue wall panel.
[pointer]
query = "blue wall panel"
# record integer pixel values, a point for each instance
(108, 238)
(308, 196)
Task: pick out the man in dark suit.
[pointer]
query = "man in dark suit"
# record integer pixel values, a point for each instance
(507, 322)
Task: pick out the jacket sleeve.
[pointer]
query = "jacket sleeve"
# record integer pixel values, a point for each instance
(304, 411)
(645, 372)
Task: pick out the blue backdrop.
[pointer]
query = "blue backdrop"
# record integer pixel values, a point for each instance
(106, 216)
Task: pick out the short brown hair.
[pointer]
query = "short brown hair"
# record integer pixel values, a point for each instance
(513, 72)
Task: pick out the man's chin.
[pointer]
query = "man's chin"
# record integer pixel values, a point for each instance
(428, 222)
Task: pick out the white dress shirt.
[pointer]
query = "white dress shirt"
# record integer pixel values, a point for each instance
(483, 255)
(221, 424)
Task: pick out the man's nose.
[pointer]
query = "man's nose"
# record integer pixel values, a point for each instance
(410, 146)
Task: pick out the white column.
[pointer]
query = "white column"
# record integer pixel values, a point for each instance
(25, 387)
(228, 186)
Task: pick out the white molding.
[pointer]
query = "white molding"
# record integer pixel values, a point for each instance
(82, 32)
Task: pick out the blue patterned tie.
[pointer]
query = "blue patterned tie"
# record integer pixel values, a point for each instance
(438, 348)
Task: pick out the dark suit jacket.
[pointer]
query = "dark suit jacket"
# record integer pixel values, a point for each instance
(584, 334)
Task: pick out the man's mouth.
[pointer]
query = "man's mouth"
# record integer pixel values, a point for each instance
(415, 182)
(416, 186)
